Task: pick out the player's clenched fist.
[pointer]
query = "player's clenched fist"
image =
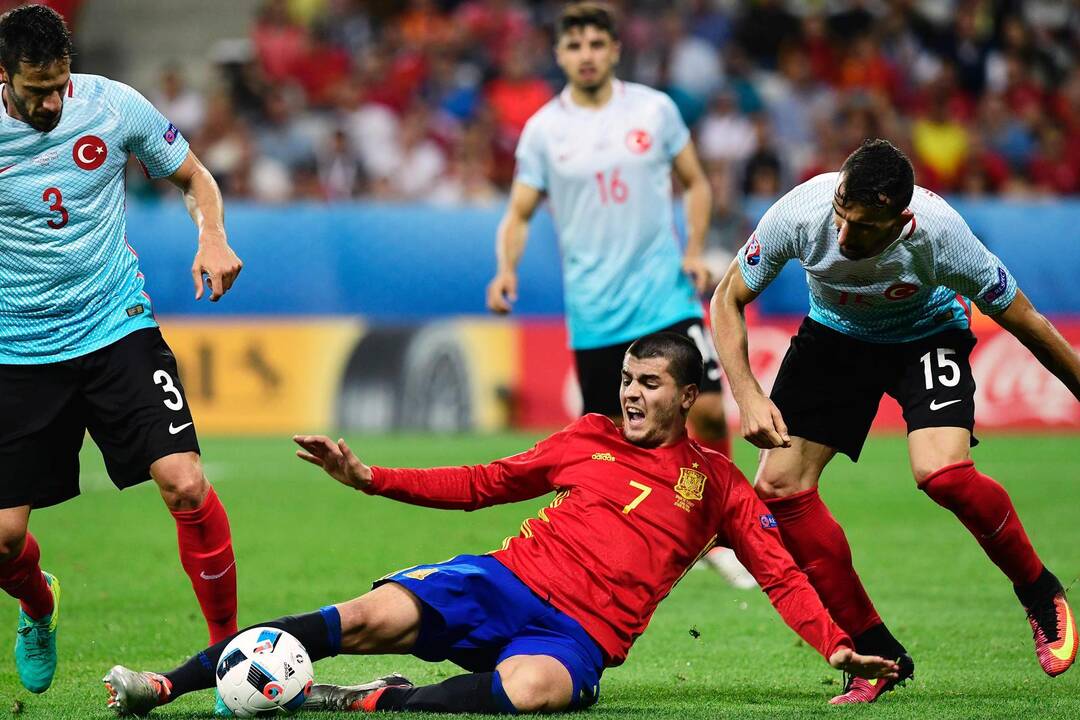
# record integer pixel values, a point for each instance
(502, 293)
(336, 459)
(762, 423)
(217, 262)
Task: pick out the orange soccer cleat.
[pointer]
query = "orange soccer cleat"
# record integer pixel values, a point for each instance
(1053, 624)
(861, 690)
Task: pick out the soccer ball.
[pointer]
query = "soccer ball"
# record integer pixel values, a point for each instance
(263, 670)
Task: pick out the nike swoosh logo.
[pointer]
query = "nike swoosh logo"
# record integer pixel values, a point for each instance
(221, 574)
(1065, 652)
(174, 430)
(5, 169)
(873, 683)
(935, 405)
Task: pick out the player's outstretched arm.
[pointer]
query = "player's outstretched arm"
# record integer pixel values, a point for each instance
(864, 666)
(337, 459)
(214, 259)
(761, 421)
(509, 245)
(1044, 341)
(697, 203)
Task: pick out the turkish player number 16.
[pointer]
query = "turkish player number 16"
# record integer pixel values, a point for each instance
(612, 188)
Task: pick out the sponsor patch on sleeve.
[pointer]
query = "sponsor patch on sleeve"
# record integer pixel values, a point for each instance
(767, 521)
(171, 133)
(998, 290)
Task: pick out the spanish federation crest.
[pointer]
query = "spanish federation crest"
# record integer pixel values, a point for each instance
(689, 487)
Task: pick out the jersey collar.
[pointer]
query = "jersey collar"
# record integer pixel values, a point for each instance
(618, 89)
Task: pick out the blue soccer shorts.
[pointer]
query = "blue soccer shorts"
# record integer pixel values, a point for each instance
(476, 613)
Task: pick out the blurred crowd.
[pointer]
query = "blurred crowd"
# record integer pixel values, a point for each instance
(424, 100)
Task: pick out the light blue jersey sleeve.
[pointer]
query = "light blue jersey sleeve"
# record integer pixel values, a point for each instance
(675, 133)
(771, 245)
(155, 141)
(531, 162)
(967, 266)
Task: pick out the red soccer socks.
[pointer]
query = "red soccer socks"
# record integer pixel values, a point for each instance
(206, 553)
(21, 578)
(984, 507)
(820, 549)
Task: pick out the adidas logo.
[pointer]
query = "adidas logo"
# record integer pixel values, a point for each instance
(606, 457)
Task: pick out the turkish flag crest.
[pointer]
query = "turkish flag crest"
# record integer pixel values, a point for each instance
(638, 141)
(89, 152)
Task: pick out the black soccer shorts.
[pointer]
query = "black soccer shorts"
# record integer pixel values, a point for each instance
(830, 385)
(127, 394)
(599, 370)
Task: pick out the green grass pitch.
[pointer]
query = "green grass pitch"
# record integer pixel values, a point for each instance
(303, 541)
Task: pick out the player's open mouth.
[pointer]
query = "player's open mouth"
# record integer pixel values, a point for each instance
(635, 417)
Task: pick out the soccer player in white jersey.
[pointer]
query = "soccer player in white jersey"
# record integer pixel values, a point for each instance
(602, 152)
(889, 266)
(79, 347)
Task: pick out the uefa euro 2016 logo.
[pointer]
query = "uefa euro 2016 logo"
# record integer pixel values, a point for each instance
(753, 251)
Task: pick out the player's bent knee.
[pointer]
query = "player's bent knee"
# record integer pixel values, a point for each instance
(11, 544)
(385, 620)
(536, 684)
(181, 481)
(769, 485)
(13, 524)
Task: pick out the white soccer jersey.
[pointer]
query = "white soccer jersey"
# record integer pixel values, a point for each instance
(607, 174)
(913, 289)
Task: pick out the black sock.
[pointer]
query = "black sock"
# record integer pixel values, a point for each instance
(1043, 587)
(319, 632)
(879, 641)
(475, 693)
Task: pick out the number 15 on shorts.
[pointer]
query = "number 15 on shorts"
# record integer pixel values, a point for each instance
(949, 374)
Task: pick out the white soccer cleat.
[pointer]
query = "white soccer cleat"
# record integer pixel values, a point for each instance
(723, 561)
(132, 692)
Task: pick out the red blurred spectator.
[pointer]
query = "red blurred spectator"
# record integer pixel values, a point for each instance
(280, 43)
(820, 49)
(866, 68)
(322, 70)
(1022, 93)
(494, 25)
(68, 9)
(391, 79)
(1051, 170)
(984, 172)
(516, 94)
(423, 25)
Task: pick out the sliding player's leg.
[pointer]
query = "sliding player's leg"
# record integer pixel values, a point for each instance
(385, 620)
(523, 654)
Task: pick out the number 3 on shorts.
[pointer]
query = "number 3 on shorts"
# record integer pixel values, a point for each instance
(163, 379)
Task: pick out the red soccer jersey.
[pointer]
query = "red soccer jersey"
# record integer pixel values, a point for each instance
(626, 524)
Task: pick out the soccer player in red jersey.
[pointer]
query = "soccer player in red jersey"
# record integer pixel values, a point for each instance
(537, 621)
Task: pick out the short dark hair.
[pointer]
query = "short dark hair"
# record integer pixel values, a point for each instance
(684, 358)
(581, 14)
(878, 175)
(35, 35)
